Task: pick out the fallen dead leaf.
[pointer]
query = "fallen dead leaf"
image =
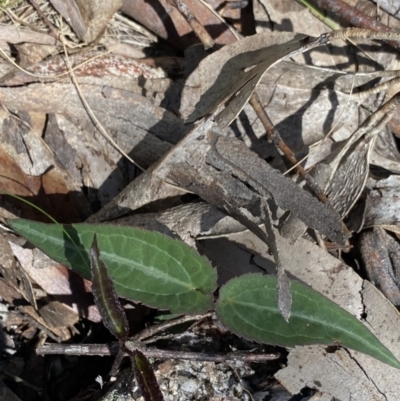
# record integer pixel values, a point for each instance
(87, 18)
(57, 281)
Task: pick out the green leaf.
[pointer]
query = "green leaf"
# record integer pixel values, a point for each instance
(145, 266)
(248, 306)
(105, 297)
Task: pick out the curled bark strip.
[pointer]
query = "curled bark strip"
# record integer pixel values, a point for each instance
(378, 262)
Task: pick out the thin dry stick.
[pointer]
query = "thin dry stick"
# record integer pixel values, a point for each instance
(153, 330)
(274, 137)
(150, 334)
(43, 16)
(63, 74)
(37, 325)
(228, 26)
(15, 20)
(238, 378)
(347, 33)
(90, 111)
(329, 22)
(112, 350)
(355, 17)
(377, 88)
(198, 29)
(24, 10)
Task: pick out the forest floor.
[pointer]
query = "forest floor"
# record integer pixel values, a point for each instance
(245, 130)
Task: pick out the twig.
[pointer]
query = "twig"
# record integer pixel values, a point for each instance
(274, 137)
(330, 23)
(376, 89)
(151, 331)
(239, 379)
(354, 17)
(43, 16)
(199, 30)
(228, 26)
(55, 76)
(112, 350)
(89, 110)
(16, 20)
(52, 28)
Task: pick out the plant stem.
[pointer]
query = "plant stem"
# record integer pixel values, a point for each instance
(353, 16)
(112, 349)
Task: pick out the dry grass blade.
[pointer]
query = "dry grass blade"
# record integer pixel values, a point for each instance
(90, 111)
(55, 76)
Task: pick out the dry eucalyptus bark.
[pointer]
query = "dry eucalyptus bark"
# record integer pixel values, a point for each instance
(382, 206)
(107, 69)
(19, 36)
(241, 165)
(145, 130)
(153, 16)
(381, 256)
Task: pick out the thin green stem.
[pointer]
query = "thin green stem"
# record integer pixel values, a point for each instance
(317, 13)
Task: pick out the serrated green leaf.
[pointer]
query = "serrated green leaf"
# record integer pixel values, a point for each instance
(145, 266)
(248, 306)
